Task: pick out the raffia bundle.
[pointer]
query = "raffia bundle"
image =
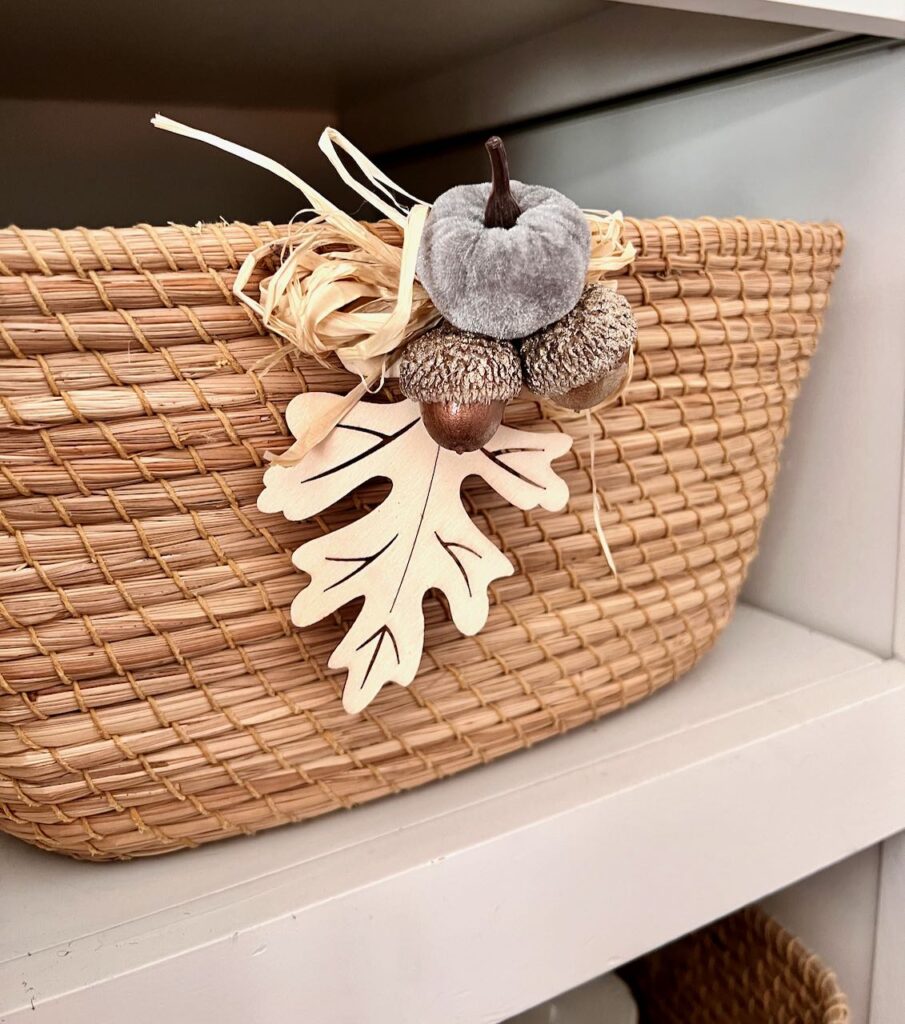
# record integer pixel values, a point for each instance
(153, 693)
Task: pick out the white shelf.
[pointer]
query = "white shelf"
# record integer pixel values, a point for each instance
(872, 17)
(477, 897)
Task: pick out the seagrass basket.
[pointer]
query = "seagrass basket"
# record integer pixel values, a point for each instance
(745, 969)
(153, 692)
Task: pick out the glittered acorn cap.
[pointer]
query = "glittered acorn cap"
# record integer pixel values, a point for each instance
(446, 364)
(583, 346)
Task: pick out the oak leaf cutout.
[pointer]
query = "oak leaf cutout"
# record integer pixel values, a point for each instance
(420, 537)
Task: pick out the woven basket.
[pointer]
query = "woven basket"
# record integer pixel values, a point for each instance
(153, 693)
(745, 969)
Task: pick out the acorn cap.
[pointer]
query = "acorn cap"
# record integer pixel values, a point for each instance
(448, 365)
(590, 341)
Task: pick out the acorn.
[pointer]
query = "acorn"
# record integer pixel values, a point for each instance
(463, 382)
(582, 359)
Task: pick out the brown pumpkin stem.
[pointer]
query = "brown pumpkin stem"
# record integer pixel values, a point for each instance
(501, 211)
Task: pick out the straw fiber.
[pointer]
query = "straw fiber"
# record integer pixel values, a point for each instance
(745, 969)
(153, 692)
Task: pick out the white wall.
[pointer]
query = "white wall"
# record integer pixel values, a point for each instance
(69, 162)
(825, 141)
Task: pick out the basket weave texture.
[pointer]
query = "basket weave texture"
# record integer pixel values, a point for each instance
(745, 969)
(153, 692)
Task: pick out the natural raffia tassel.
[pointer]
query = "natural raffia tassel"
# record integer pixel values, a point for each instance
(344, 287)
(592, 468)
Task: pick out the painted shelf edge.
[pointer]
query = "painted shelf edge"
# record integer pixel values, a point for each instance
(484, 895)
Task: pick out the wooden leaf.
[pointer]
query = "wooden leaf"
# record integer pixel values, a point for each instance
(419, 537)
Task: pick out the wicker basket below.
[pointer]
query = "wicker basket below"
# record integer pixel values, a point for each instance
(154, 694)
(745, 969)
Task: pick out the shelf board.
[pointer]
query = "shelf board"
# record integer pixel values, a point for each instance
(222, 52)
(871, 17)
(487, 893)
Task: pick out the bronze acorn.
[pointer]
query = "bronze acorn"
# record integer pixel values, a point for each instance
(582, 359)
(462, 381)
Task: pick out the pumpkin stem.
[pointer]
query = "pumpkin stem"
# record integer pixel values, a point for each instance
(501, 211)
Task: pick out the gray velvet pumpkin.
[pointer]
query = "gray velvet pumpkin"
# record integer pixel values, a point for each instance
(498, 281)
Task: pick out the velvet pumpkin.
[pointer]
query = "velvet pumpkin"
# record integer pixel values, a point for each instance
(504, 259)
